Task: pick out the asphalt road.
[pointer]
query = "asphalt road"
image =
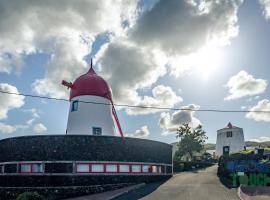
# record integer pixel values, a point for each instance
(200, 185)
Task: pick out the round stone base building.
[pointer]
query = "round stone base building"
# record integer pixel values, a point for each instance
(90, 158)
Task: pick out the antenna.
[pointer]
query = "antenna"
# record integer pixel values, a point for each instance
(91, 65)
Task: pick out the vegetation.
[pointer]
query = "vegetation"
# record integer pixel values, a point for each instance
(192, 140)
(30, 196)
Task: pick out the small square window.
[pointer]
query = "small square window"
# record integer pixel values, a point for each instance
(97, 168)
(83, 168)
(136, 168)
(124, 168)
(229, 133)
(111, 168)
(74, 106)
(97, 131)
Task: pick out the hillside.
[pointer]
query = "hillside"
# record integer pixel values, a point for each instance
(210, 146)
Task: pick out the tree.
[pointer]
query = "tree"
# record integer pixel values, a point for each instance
(191, 140)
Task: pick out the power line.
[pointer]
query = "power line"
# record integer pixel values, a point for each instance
(139, 106)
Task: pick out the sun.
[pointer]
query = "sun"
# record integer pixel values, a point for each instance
(207, 61)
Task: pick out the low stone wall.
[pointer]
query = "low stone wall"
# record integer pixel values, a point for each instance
(84, 148)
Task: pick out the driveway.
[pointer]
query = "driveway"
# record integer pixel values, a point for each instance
(200, 185)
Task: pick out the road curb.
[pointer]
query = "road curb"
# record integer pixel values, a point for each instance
(243, 196)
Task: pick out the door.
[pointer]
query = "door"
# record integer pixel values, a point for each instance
(226, 150)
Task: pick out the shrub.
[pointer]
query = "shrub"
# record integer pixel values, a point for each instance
(30, 196)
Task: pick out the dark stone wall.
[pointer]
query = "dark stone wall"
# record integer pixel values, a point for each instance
(75, 180)
(84, 148)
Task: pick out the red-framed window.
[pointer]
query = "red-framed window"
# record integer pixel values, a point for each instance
(83, 168)
(124, 168)
(146, 168)
(136, 168)
(111, 168)
(97, 168)
(31, 168)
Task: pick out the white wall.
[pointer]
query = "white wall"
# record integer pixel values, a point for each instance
(90, 115)
(236, 142)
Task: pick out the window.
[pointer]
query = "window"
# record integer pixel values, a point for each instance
(159, 169)
(97, 168)
(146, 168)
(83, 168)
(31, 168)
(75, 105)
(123, 168)
(97, 131)
(10, 168)
(154, 169)
(229, 133)
(58, 167)
(1, 169)
(25, 168)
(37, 168)
(136, 168)
(111, 168)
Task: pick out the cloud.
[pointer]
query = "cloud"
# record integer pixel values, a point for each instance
(5, 128)
(64, 30)
(263, 105)
(265, 4)
(185, 26)
(129, 68)
(9, 101)
(162, 96)
(143, 132)
(171, 122)
(244, 84)
(260, 139)
(39, 128)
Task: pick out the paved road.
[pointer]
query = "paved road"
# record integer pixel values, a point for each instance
(201, 185)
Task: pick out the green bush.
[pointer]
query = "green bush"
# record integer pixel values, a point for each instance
(30, 196)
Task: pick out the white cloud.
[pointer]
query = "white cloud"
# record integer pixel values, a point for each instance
(9, 101)
(260, 139)
(129, 68)
(265, 4)
(5, 128)
(171, 122)
(263, 105)
(143, 132)
(39, 128)
(65, 30)
(163, 96)
(244, 84)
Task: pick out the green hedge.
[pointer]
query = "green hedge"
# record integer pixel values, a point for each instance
(30, 196)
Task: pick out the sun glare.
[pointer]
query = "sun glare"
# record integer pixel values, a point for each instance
(207, 61)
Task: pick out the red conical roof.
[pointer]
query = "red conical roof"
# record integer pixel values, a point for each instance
(230, 126)
(90, 84)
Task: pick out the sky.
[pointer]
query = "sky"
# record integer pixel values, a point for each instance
(193, 54)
